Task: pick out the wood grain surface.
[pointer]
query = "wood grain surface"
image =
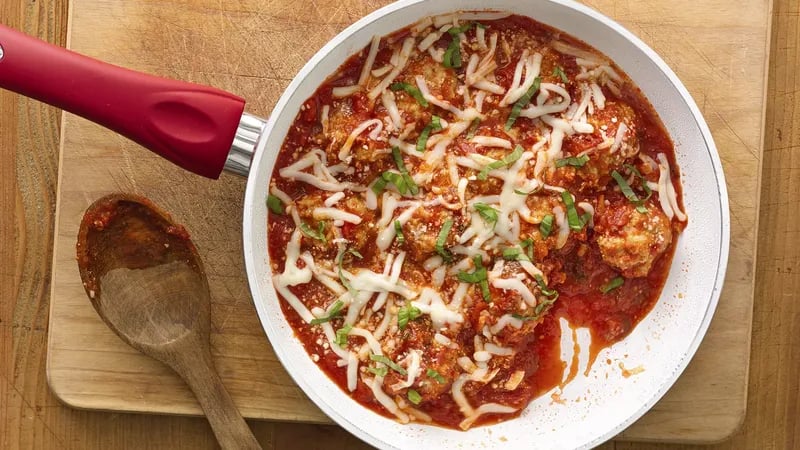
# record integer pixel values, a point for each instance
(226, 45)
(30, 417)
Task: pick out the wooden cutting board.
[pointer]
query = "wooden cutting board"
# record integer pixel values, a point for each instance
(254, 48)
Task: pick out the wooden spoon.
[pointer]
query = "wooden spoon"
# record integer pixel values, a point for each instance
(145, 279)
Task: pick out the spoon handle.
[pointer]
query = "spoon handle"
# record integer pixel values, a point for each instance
(229, 427)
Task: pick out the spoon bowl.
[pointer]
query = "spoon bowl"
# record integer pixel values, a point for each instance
(146, 281)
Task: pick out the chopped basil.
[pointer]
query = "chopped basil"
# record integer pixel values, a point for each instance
(407, 314)
(414, 397)
(527, 243)
(559, 72)
(452, 56)
(342, 278)
(435, 125)
(479, 277)
(402, 181)
(522, 102)
(334, 311)
(410, 90)
(506, 161)
(473, 127)
(442, 239)
(318, 234)
(274, 204)
(538, 188)
(398, 160)
(388, 362)
(546, 226)
(646, 188)
(398, 232)
(341, 335)
(514, 254)
(550, 294)
(436, 376)
(487, 213)
(525, 318)
(574, 161)
(455, 31)
(613, 284)
(379, 371)
(576, 223)
(628, 192)
(379, 184)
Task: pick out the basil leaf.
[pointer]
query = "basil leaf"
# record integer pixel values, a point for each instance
(442, 239)
(274, 204)
(436, 376)
(342, 278)
(479, 277)
(455, 31)
(613, 284)
(550, 294)
(514, 254)
(402, 181)
(628, 192)
(410, 90)
(388, 362)
(414, 397)
(521, 317)
(333, 312)
(575, 222)
(398, 232)
(407, 314)
(422, 141)
(543, 287)
(528, 243)
(546, 226)
(574, 161)
(318, 234)
(379, 185)
(379, 371)
(487, 213)
(522, 102)
(341, 335)
(506, 161)
(401, 166)
(559, 72)
(518, 192)
(452, 56)
(646, 188)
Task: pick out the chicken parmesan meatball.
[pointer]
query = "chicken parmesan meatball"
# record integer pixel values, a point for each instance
(422, 231)
(612, 143)
(630, 240)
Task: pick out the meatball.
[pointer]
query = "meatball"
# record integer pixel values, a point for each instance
(631, 241)
(439, 359)
(602, 160)
(358, 235)
(422, 231)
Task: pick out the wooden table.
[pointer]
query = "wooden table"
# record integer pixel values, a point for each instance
(30, 417)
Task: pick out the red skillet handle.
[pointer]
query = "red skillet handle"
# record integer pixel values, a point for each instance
(190, 125)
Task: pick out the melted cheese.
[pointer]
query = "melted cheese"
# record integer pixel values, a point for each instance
(336, 214)
(402, 60)
(430, 302)
(386, 401)
(377, 125)
(370, 61)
